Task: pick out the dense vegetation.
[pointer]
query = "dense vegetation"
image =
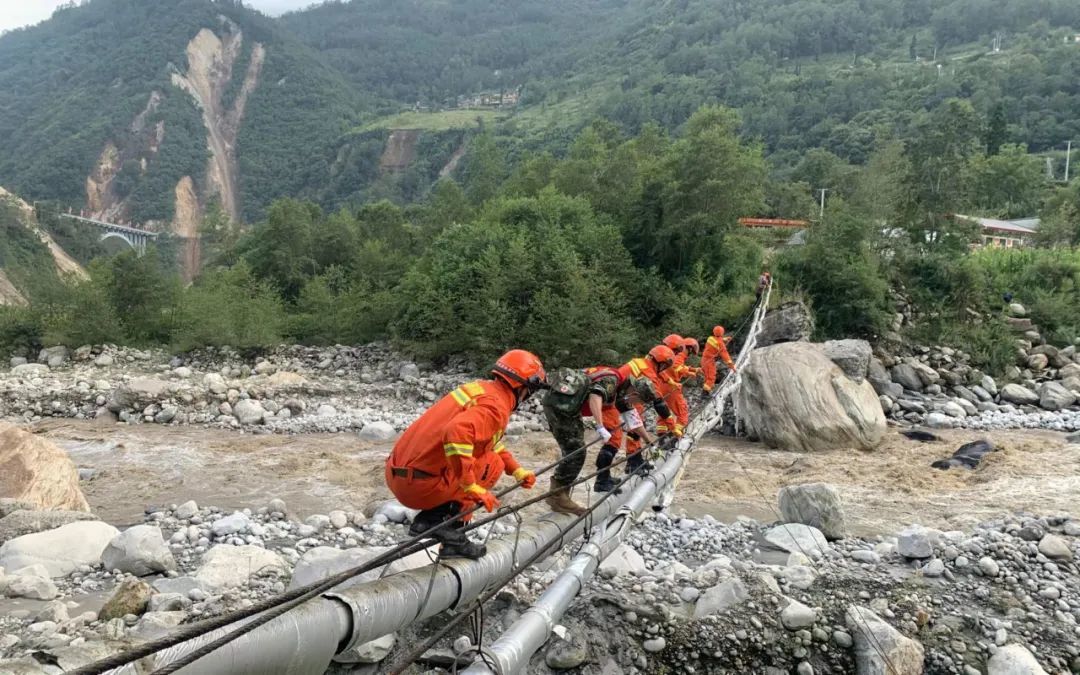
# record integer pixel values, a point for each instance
(77, 81)
(602, 252)
(602, 212)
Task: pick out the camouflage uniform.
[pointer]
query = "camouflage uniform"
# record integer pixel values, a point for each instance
(564, 406)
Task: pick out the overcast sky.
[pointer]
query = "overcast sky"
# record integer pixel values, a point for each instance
(18, 13)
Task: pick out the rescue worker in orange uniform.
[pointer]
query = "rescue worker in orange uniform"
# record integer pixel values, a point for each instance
(453, 455)
(763, 282)
(648, 369)
(671, 387)
(715, 347)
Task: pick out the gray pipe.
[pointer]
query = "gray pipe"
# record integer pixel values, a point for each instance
(516, 646)
(300, 641)
(304, 640)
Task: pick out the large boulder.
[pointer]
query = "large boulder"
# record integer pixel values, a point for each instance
(31, 582)
(906, 376)
(59, 551)
(794, 398)
(880, 380)
(1019, 394)
(19, 523)
(53, 357)
(138, 394)
(1013, 659)
(721, 597)
(790, 322)
(36, 471)
(880, 649)
(225, 566)
(797, 538)
(814, 504)
(852, 356)
(138, 550)
(377, 431)
(1053, 396)
(248, 411)
(623, 560)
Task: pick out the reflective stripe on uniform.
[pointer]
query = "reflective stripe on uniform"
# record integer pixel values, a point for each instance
(466, 394)
(712, 342)
(497, 442)
(452, 449)
(638, 367)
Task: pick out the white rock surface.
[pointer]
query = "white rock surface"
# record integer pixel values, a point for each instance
(794, 398)
(797, 538)
(138, 550)
(59, 551)
(226, 566)
(1013, 659)
(875, 638)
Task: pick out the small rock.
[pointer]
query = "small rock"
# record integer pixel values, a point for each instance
(130, 597)
(1055, 548)
(797, 616)
(654, 645)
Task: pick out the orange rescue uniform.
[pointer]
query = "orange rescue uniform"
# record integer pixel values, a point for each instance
(456, 443)
(641, 367)
(714, 348)
(673, 395)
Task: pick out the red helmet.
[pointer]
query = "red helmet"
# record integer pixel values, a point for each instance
(519, 368)
(674, 343)
(692, 345)
(718, 331)
(662, 356)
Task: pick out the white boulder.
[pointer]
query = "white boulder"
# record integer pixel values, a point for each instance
(225, 566)
(59, 551)
(794, 398)
(139, 550)
(38, 472)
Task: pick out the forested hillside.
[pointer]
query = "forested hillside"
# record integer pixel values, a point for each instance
(92, 115)
(597, 212)
(91, 96)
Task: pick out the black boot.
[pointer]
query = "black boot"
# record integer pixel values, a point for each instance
(429, 518)
(636, 464)
(603, 460)
(452, 536)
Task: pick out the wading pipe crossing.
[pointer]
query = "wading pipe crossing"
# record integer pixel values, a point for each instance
(516, 646)
(305, 640)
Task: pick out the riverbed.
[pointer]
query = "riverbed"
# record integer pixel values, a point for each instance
(132, 467)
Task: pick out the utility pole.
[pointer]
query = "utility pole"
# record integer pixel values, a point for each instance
(1068, 156)
(821, 215)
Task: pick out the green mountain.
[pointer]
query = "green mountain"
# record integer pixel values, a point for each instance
(158, 110)
(153, 109)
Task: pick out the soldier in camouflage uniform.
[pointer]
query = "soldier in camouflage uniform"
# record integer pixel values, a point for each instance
(602, 393)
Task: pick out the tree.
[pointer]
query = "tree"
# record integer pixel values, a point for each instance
(841, 275)
(485, 169)
(1060, 218)
(280, 250)
(939, 180)
(996, 129)
(715, 180)
(1008, 184)
(229, 307)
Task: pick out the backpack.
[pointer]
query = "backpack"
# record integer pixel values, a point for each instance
(569, 389)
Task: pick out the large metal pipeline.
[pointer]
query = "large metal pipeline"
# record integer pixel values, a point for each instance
(304, 640)
(516, 646)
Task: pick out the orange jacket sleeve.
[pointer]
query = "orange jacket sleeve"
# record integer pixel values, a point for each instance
(472, 428)
(723, 353)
